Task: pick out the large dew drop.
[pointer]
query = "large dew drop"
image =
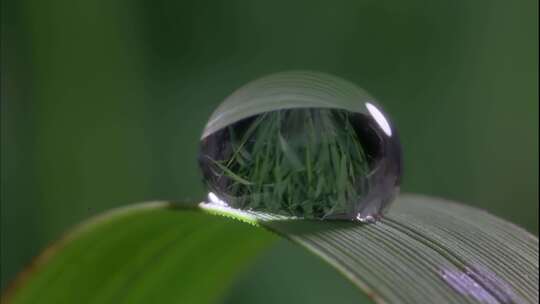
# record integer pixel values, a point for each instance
(303, 144)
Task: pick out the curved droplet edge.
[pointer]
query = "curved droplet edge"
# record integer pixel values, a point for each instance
(307, 96)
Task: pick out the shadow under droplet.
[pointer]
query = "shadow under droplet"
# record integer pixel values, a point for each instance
(307, 227)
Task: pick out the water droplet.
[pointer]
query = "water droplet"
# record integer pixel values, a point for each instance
(303, 144)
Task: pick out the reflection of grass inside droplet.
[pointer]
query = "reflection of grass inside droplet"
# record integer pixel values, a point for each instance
(303, 162)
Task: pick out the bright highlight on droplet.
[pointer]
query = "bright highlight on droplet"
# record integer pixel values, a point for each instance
(302, 144)
(215, 199)
(379, 118)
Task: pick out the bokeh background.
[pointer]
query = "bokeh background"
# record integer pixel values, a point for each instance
(103, 102)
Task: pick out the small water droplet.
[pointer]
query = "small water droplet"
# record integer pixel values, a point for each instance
(366, 219)
(302, 144)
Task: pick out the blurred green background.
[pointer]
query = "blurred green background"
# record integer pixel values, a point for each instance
(103, 102)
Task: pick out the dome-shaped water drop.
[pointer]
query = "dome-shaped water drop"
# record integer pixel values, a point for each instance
(304, 144)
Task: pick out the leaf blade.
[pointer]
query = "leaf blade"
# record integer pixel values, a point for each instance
(424, 251)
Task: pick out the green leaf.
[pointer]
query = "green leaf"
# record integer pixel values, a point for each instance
(424, 251)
